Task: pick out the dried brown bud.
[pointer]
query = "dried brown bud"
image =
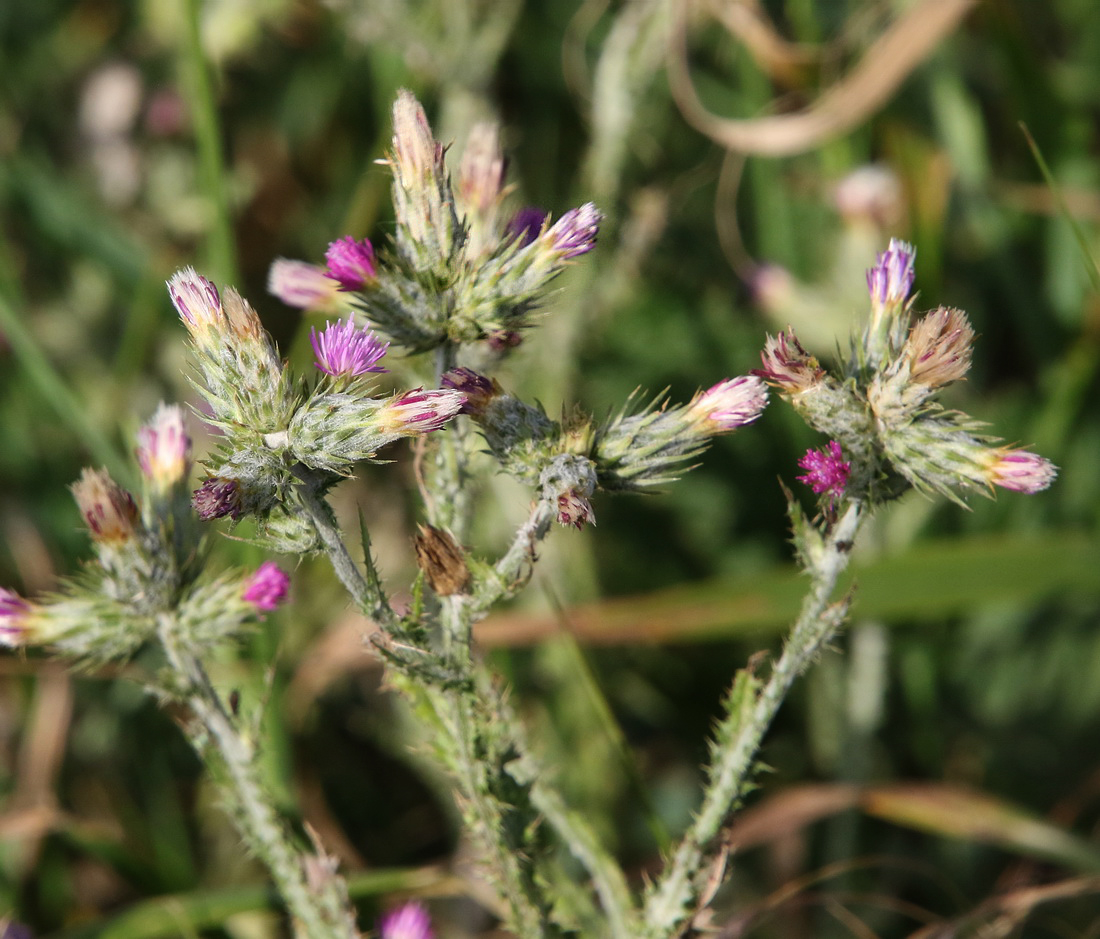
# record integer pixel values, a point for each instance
(441, 560)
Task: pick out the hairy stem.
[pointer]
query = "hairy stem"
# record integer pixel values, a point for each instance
(671, 902)
(319, 906)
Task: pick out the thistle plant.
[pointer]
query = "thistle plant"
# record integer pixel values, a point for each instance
(465, 278)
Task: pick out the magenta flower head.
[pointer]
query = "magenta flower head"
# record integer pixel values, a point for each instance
(109, 510)
(526, 225)
(410, 921)
(479, 391)
(302, 285)
(1019, 470)
(575, 232)
(351, 263)
(346, 352)
(730, 404)
(419, 412)
(15, 615)
(164, 448)
(217, 498)
(267, 588)
(891, 279)
(827, 471)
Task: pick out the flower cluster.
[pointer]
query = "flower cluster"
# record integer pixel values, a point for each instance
(882, 414)
(570, 459)
(461, 269)
(148, 566)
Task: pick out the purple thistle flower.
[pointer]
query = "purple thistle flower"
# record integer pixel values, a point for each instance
(575, 232)
(410, 921)
(196, 300)
(267, 588)
(730, 404)
(164, 448)
(891, 279)
(342, 350)
(302, 285)
(420, 412)
(526, 224)
(1020, 470)
(827, 471)
(15, 612)
(478, 389)
(217, 498)
(350, 262)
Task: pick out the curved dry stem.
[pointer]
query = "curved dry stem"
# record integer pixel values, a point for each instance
(845, 105)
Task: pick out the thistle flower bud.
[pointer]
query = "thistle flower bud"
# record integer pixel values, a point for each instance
(344, 351)
(15, 618)
(891, 279)
(304, 286)
(351, 263)
(427, 226)
(575, 232)
(827, 471)
(164, 448)
(787, 366)
(419, 412)
(1019, 470)
(728, 405)
(217, 498)
(939, 348)
(479, 390)
(567, 483)
(267, 587)
(335, 431)
(109, 510)
(481, 189)
(197, 301)
(410, 921)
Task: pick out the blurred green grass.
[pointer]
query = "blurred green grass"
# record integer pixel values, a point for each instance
(108, 183)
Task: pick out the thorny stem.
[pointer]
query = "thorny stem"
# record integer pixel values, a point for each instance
(672, 899)
(320, 908)
(365, 589)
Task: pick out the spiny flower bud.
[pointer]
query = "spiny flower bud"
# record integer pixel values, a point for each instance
(304, 286)
(827, 471)
(419, 412)
(1019, 470)
(351, 263)
(15, 618)
(267, 587)
(217, 498)
(481, 187)
(164, 448)
(344, 351)
(428, 227)
(478, 389)
(109, 510)
(939, 348)
(410, 921)
(787, 366)
(730, 404)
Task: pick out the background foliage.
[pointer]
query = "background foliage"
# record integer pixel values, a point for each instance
(972, 671)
